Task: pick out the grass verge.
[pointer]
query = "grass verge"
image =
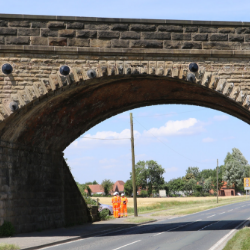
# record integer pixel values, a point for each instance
(9, 247)
(184, 207)
(240, 241)
(139, 219)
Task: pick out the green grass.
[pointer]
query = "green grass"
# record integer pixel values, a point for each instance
(184, 207)
(240, 241)
(9, 247)
(139, 219)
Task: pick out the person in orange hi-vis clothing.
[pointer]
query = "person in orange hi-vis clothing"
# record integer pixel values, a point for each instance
(118, 205)
(124, 202)
(114, 203)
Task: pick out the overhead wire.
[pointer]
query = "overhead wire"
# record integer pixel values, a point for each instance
(168, 146)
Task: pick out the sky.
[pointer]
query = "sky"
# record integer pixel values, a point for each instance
(176, 136)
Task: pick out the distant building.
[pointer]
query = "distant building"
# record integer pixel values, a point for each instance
(225, 190)
(117, 187)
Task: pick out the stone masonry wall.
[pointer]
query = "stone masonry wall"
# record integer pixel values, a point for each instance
(37, 189)
(122, 33)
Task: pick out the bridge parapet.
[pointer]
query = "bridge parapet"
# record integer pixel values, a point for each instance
(83, 32)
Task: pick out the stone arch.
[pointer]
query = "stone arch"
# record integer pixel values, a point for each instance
(71, 105)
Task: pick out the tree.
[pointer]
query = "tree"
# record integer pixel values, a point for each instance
(207, 186)
(195, 171)
(128, 187)
(107, 186)
(189, 186)
(175, 185)
(95, 182)
(149, 175)
(235, 169)
(188, 177)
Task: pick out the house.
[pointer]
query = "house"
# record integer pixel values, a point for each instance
(118, 187)
(225, 190)
(96, 189)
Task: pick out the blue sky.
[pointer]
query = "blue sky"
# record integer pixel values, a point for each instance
(176, 136)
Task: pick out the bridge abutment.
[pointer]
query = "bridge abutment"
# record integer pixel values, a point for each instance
(37, 190)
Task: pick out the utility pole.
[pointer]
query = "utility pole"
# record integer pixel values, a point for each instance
(133, 165)
(217, 182)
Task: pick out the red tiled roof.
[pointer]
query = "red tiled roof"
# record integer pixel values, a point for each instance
(96, 188)
(120, 186)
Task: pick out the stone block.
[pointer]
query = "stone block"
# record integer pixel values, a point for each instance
(247, 38)
(56, 25)
(236, 38)
(221, 46)
(243, 30)
(21, 40)
(179, 36)
(108, 34)
(142, 27)
(75, 25)
(37, 40)
(130, 35)
(66, 33)
(2, 40)
(191, 45)
(208, 30)
(3, 23)
(8, 31)
(38, 25)
(200, 37)
(78, 42)
(191, 29)
(96, 27)
(170, 28)
(146, 44)
(28, 32)
(245, 46)
(100, 43)
(172, 44)
(119, 26)
(19, 24)
(86, 33)
(219, 37)
(226, 30)
(57, 41)
(48, 32)
(156, 35)
(116, 43)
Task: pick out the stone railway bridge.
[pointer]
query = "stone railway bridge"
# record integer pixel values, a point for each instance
(114, 65)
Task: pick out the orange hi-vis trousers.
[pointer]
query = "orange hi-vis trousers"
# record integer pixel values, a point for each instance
(116, 201)
(115, 210)
(124, 202)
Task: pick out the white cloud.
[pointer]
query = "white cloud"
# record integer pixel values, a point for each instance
(208, 139)
(171, 128)
(221, 117)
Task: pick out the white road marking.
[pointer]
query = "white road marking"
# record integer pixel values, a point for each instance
(158, 234)
(223, 213)
(217, 244)
(211, 216)
(230, 210)
(127, 245)
(209, 225)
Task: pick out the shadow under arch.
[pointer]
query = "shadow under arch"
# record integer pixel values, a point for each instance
(56, 119)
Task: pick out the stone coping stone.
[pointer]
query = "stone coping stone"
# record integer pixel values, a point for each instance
(124, 51)
(122, 20)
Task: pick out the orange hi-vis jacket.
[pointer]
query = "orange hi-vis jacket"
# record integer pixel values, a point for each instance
(124, 201)
(114, 200)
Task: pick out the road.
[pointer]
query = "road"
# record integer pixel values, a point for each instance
(196, 231)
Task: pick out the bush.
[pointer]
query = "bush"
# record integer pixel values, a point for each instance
(104, 214)
(144, 193)
(9, 247)
(7, 229)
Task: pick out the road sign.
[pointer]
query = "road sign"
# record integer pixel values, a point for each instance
(247, 183)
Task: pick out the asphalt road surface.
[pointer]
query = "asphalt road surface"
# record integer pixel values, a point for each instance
(196, 231)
